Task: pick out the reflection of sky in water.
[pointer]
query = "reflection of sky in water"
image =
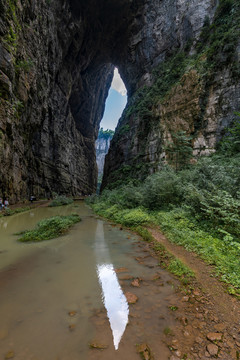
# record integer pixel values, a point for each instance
(114, 300)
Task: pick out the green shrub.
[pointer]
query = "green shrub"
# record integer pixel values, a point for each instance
(133, 217)
(61, 200)
(179, 269)
(161, 189)
(49, 228)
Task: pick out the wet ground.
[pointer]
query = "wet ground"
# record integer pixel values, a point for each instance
(99, 293)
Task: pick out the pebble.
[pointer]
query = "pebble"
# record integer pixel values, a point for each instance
(9, 355)
(131, 298)
(72, 313)
(135, 282)
(214, 336)
(220, 327)
(72, 327)
(199, 340)
(212, 349)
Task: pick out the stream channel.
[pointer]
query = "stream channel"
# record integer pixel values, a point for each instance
(64, 299)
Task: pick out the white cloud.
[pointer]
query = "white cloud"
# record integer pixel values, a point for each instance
(118, 84)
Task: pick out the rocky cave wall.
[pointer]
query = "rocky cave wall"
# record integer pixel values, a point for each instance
(56, 66)
(186, 60)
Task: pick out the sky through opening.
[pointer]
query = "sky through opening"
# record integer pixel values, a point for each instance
(115, 103)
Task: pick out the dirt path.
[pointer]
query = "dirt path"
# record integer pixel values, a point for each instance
(207, 308)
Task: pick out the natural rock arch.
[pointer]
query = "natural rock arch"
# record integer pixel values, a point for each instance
(56, 63)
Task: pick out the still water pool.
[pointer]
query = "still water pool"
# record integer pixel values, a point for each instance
(64, 299)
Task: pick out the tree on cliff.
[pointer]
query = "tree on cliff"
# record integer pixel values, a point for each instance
(179, 150)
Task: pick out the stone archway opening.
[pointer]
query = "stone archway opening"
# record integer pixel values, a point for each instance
(114, 106)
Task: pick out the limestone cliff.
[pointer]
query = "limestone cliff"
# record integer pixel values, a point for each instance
(194, 89)
(56, 66)
(102, 146)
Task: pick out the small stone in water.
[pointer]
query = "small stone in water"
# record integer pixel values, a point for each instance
(144, 351)
(131, 298)
(98, 346)
(135, 282)
(9, 355)
(72, 313)
(72, 327)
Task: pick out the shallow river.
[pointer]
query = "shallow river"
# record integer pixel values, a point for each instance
(63, 299)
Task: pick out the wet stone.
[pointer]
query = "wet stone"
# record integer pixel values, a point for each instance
(214, 336)
(121, 269)
(199, 340)
(145, 352)
(72, 313)
(125, 277)
(136, 282)
(98, 346)
(131, 298)
(220, 327)
(9, 355)
(212, 349)
(72, 327)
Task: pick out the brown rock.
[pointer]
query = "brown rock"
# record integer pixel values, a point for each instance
(72, 327)
(199, 340)
(126, 277)
(214, 336)
(9, 355)
(98, 346)
(212, 349)
(135, 282)
(145, 352)
(131, 298)
(121, 269)
(220, 327)
(72, 313)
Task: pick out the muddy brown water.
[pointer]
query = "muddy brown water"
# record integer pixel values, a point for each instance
(63, 299)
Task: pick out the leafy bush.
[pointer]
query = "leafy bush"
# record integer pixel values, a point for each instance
(61, 200)
(161, 189)
(230, 143)
(133, 217)
(49, 228)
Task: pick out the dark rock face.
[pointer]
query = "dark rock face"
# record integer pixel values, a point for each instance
(56, 67)
(102, 146)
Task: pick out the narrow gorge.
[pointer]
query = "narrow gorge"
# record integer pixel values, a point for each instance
(178, 59)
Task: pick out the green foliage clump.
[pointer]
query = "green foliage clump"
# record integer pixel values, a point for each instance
(179, 151)
(230, 143)
(105, 134)
(179, 269)
(50, 228)
(221, 252)
(165, 76)
(24, 65)
(60, 201)
(9, 212)
(219, 39)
